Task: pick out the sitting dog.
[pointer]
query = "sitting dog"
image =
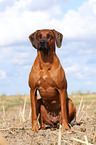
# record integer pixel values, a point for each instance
(48, 77)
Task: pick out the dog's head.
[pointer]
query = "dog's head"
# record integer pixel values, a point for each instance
(45, 39)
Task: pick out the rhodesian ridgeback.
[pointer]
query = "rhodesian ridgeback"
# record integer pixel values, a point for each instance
(48, 77)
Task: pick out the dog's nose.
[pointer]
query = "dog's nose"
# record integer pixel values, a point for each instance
(43, 45)
(42, 42)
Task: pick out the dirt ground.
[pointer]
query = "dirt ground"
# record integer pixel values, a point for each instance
(15, 124)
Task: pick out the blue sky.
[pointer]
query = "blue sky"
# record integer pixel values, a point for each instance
(76, 20)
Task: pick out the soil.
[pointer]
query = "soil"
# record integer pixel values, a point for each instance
(15, 127)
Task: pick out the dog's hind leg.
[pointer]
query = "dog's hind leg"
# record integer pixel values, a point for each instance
(71, 110)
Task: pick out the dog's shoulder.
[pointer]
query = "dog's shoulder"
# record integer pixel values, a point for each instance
(58, 74)
(34, 73)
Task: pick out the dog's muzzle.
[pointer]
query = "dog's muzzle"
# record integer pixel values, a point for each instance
(43, 45)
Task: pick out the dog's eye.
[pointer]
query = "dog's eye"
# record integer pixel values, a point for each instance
(39, 36)
(49, 36)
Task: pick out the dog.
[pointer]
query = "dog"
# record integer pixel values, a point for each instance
(48, 77)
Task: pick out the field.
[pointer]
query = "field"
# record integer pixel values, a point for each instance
(15, 123)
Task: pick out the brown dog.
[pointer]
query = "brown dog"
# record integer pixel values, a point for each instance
(48, 76)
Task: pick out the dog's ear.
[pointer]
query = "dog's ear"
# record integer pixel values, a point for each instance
(58, 37)
(32, 38)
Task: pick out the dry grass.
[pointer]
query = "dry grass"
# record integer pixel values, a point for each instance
(15, 123)
(2, 141)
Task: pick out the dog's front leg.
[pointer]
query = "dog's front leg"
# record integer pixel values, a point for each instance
(64, 119)
(33, 96)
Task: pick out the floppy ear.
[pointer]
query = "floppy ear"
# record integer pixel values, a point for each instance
(32, 38)
(58, 37)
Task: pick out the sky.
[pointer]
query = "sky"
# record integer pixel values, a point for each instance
(76, 20)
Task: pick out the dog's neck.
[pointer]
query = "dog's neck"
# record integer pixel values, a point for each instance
(46, 59)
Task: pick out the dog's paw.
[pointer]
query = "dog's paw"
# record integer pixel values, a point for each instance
(35, 129)
(66, 127)
(43, 127)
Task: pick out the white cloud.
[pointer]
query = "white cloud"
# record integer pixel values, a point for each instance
(19, 59)
(87, 72)
(2, 75)
(73, 68)
(80, 75)
(37, 5)
(22, 17)
(15, 26)
(89, 83)
(5, 4)
(90, 69)
(1, 1)
(80, 24)
(87, 51)
(92, 4)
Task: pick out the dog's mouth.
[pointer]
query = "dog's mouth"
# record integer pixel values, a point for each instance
(44, 46)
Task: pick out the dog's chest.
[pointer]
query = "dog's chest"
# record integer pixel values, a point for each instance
(46, 85)
(45, 80)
